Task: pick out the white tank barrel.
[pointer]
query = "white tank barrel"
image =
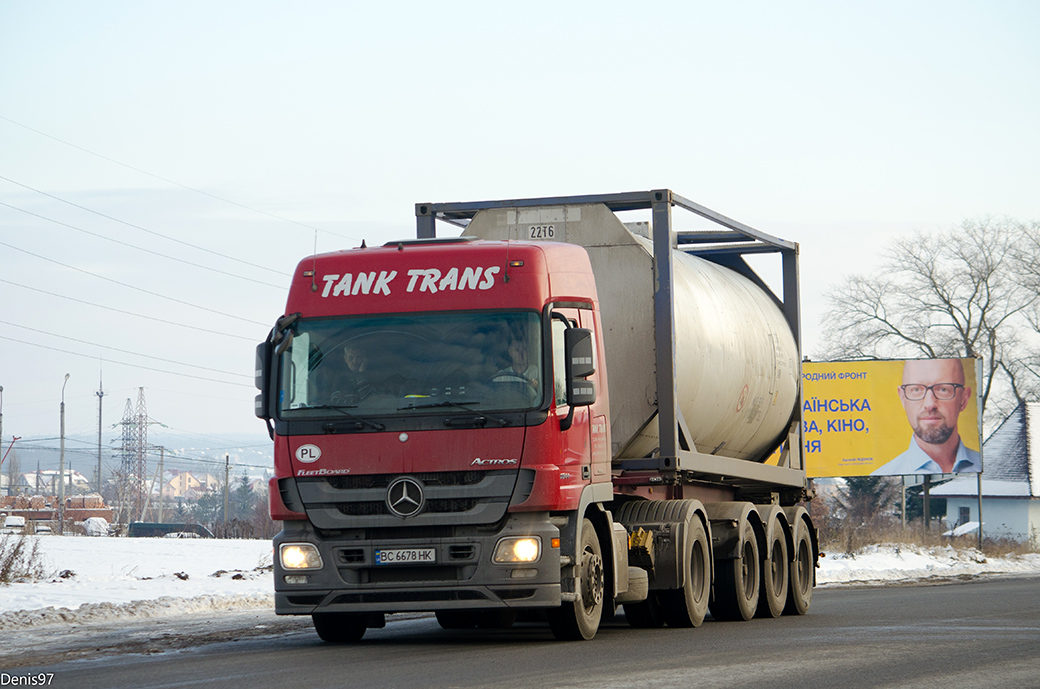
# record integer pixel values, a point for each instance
(736, 360)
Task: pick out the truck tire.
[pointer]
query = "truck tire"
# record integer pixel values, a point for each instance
(686, 607)
(579, 619)
(339, 627)
(803, 570)
(775, 571)
(737, 580)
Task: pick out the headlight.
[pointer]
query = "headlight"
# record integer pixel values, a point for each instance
(300, 556)
(520, 549)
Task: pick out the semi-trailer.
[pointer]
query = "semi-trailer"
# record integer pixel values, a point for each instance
(552, 415)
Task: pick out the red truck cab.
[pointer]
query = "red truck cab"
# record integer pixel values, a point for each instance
(437, 430)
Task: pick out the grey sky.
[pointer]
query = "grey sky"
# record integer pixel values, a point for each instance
(837, 125)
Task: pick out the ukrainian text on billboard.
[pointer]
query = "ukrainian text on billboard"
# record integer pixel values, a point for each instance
(890, 418)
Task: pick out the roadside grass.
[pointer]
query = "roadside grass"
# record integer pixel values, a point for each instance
(849, 539)
(20, 559)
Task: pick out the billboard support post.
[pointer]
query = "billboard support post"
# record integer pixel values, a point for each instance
(927, 503)
(902, 495)
(979, 476)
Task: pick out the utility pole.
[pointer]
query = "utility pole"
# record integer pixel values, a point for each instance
(61, 463)
(100, 393)
(227, 486)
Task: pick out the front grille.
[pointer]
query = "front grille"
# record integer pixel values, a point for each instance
(362, 509)
(451, 505)
(444, 478)
(359, 502)
(443, 506)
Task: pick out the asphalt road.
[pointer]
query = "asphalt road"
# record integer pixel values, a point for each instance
(983, 633)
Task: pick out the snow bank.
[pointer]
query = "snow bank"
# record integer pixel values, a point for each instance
(890, 563)
(102, 578)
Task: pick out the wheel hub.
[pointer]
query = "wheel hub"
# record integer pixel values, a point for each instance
(591, 579)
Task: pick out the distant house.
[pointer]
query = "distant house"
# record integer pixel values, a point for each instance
(209, 482)
(189, 485)
(179, 484)
(47, 482)
(1010, 481)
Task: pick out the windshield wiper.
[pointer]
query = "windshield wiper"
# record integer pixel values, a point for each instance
(442, 403)
(360, 421)
(476, 418)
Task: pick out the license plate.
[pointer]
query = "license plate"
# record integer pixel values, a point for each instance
(406, 556)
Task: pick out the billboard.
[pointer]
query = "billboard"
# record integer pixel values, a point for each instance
(891, 418)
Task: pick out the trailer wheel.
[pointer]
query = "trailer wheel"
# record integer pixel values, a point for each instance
(645, 614)
(803, 568)
(737, 581)
(579, 619)
(456, 619)
(775, 570)
(687, 606)
(339, 627)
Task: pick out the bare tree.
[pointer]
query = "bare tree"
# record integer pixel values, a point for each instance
(957, 293)
(1027, 267)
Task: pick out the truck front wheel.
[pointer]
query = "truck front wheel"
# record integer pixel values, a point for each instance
(339, 627)
(579, 619)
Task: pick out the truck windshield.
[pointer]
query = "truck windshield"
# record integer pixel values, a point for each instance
(404, 365)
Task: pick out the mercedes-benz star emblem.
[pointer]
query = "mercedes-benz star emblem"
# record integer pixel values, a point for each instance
(405, 497)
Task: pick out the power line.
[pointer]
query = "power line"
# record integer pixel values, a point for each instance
(128, 313)
(123, 363)
(138, 248)
(136, 227)
(170, 456)
(126, 351)
(123, 284)
(170, 181)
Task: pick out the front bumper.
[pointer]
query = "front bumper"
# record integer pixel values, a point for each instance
(462, 577)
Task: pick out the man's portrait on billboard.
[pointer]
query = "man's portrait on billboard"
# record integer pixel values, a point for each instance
(933, 394)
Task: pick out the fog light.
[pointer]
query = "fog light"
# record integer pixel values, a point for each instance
(300, 556)
(295, 579)
(521, 549)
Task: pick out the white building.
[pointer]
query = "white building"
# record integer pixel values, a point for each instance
(1010, 481)
(46, 481)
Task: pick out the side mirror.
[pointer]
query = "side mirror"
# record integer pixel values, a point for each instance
(577, 348)
(261, 378)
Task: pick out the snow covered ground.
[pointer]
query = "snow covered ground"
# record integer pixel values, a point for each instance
(97, 579)
(101, 579)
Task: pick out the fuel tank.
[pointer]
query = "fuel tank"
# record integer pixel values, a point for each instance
(736, 359)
